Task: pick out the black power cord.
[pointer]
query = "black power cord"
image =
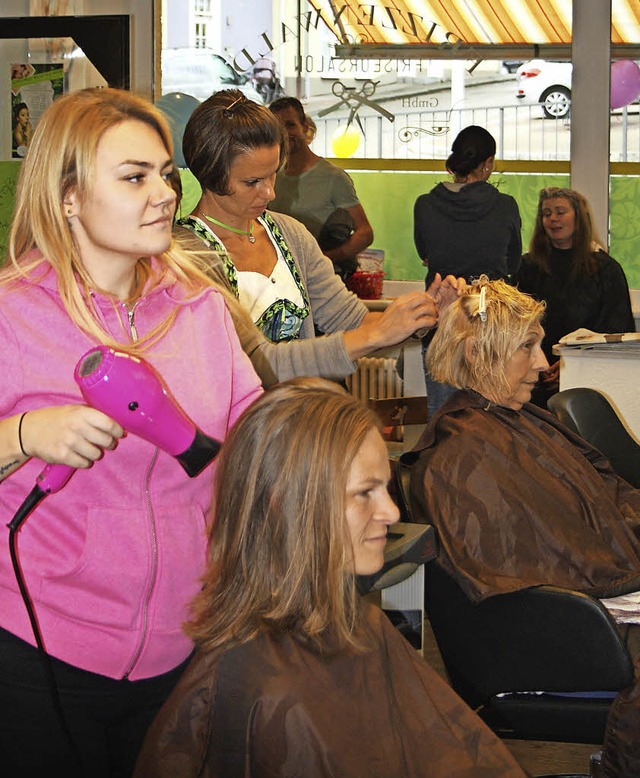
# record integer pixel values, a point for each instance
(25, 509)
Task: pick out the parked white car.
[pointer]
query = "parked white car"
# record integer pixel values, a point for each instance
(200, 73)
(548, 83)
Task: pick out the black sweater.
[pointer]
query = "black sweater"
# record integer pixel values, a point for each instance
(599, 303)
(468, 232)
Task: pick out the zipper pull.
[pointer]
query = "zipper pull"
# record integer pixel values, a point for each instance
(132, 324)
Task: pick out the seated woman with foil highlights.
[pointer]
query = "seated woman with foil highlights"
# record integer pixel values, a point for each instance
(295, 673)
(517, 499)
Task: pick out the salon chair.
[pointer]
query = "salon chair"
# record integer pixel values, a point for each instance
(402, 482)
(588, 413)
(542, 663)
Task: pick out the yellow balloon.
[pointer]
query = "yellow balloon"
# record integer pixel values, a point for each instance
(345, 141)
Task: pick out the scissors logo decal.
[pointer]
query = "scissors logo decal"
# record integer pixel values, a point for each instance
(352, 98)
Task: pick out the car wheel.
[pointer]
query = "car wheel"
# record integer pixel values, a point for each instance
(556, 102)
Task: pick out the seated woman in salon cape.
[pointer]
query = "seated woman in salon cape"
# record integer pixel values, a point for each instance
(517, 499)
(295, 673)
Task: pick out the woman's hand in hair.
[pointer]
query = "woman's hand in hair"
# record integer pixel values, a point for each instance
(406, 315)
(445, 291)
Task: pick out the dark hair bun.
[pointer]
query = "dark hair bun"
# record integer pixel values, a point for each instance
(472, 146)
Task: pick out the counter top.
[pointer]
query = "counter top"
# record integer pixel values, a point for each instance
(378, 305)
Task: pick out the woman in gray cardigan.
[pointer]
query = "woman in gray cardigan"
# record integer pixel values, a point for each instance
(270, 262)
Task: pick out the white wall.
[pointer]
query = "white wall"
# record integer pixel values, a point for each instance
(142, 36)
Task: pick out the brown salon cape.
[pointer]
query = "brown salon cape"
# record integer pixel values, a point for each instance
(518, 500)
(271, 707)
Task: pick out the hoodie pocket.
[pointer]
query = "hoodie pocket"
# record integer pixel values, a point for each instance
(131, 561)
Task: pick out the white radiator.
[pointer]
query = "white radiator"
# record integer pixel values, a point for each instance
(375, 378)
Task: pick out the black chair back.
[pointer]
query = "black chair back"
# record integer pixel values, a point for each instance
(520, 658)
(538, 639)
(588, 413)
(402, 480)
(533, 663)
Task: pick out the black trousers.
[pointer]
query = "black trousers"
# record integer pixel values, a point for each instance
(106, 718)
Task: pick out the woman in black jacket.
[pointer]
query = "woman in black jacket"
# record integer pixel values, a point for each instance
(581, 284)
(466, 226)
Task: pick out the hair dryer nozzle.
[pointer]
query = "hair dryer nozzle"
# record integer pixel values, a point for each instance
(199, 454)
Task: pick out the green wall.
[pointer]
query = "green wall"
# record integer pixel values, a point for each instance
(624, 206)
(388, 199)
(8, 176)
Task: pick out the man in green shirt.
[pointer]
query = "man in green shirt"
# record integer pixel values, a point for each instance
(311, 189)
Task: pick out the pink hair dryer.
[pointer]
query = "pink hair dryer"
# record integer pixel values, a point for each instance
(131, 392)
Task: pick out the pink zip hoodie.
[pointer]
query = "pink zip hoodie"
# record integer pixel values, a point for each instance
(113, 559)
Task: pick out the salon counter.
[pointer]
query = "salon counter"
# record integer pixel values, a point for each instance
(613, 369)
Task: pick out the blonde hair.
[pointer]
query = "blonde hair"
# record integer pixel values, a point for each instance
(495, 316)
(279, 548)
(62, 157)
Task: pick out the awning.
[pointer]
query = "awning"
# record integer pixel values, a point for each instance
(437, 28)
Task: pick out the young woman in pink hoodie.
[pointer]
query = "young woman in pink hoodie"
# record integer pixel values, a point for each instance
(111, 560)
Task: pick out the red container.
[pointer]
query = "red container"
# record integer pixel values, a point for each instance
(367, 285)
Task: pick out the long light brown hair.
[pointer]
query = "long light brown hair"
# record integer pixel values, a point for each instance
(585, 238)
(62, 157)
(507, 316)
(280, 554)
